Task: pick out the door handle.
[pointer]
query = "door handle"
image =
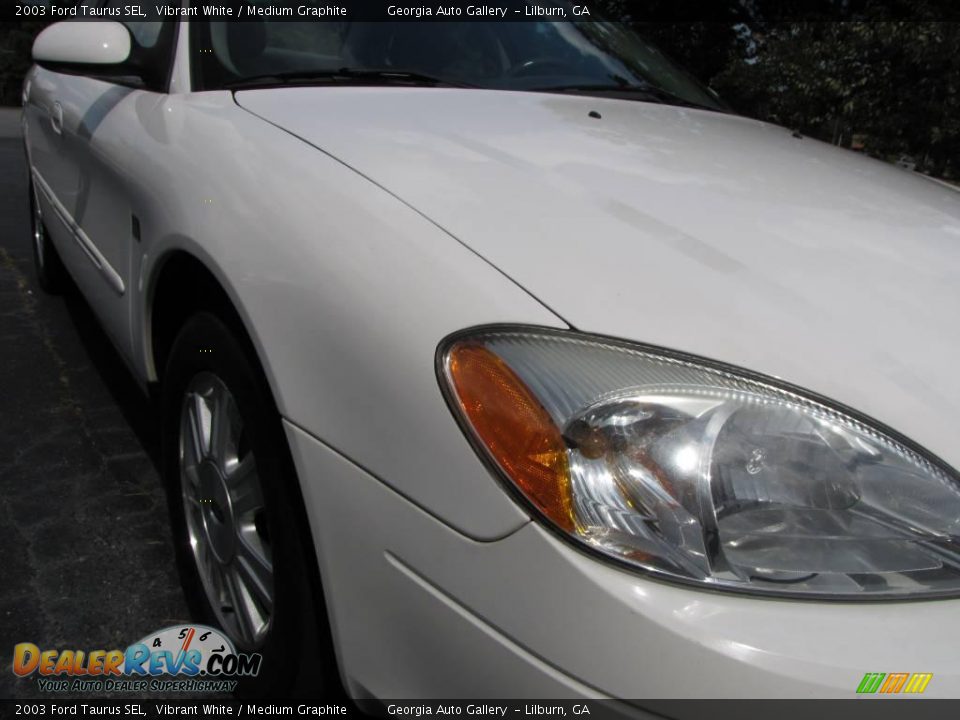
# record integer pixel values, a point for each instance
(56, 118)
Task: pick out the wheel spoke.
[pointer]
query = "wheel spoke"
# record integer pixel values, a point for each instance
(214, 572)
(223, 589)
(192, 477)
(194, 516)
(222, 445)
(192, 508)
(256, 573)
(198, 426)
(242, 606)
(244, 485)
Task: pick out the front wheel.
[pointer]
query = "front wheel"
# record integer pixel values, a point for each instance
(240, 530)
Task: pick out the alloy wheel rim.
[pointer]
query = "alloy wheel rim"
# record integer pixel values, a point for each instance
(225, 512)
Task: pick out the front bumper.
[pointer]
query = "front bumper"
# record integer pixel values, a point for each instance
(421, 611)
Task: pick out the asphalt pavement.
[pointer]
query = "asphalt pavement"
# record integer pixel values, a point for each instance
(86, 559)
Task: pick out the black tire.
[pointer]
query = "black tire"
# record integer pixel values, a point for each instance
(51, 274)
(296, 649)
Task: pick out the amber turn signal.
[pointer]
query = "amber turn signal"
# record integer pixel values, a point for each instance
(515, 429)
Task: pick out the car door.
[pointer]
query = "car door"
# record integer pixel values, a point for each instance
(97, 177)
(51, 111)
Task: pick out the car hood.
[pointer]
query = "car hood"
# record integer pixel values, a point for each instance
(702, 232)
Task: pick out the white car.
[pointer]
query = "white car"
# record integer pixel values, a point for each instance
(508, 354)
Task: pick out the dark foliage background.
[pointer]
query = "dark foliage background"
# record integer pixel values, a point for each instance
(882, 76)
(16, 39)
(878, 75)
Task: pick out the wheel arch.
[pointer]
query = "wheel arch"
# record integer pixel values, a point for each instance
(180, 285)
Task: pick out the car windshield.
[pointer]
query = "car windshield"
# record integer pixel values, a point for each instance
(575, 57)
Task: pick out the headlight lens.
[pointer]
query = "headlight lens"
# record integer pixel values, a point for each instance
(700, 474)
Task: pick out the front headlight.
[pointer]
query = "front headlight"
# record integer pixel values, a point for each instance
(700, 473)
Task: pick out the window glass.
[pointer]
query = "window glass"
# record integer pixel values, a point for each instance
(146, 34)
(152, 51)
(546, 56)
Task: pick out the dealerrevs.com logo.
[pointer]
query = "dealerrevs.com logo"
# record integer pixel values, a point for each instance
(182, 658)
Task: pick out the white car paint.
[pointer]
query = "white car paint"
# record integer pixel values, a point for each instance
(532, 617)
(95, 42)
(210, 173)
(831, 266)
(355, 228)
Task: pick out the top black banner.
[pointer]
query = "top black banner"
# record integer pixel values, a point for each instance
(309, 10)
(722, 11)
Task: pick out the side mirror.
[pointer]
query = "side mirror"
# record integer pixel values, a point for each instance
(82, 46)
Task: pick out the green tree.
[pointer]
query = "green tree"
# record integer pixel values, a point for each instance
(893, 83)
(883, 71)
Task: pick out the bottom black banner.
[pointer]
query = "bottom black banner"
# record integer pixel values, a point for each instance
(872, 709)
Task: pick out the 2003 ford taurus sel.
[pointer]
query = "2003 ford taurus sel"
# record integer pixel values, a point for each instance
(502, 360)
